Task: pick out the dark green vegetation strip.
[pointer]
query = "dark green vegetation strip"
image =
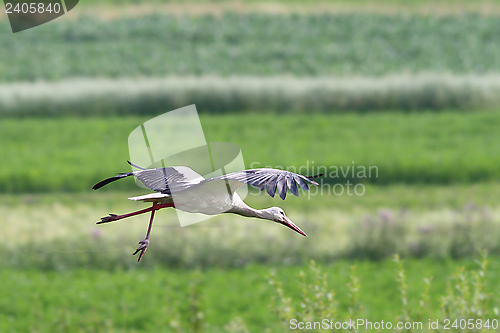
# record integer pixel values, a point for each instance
(71, 154)
(251, 44)
(152, 300)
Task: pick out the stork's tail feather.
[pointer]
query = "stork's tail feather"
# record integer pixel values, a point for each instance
(110, 180)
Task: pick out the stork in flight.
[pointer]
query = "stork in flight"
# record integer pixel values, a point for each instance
(194, 194)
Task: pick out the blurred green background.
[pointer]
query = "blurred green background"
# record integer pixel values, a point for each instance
(411, 87)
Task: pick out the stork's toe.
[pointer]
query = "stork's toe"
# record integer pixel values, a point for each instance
(109, 218)
(142, 248)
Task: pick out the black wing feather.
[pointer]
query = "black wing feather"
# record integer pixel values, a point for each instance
(110, 180)
(162, 180)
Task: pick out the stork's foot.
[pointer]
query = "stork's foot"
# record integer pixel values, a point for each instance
(142, 248)
(110, 218)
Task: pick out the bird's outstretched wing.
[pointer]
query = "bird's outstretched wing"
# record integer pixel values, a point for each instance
(167, 180)
(175, 179)
(163, 180)
(269, 179)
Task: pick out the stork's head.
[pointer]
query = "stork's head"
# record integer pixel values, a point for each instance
(277, 214)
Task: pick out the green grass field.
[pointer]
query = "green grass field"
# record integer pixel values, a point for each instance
(71, 154)
(157, 299)
(434, 200)
(345, 45)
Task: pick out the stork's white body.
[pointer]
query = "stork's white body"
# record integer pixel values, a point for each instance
(208, 200)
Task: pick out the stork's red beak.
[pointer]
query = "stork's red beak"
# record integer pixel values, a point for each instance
(292, 226)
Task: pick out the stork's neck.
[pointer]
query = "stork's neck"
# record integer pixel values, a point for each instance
(241, 208)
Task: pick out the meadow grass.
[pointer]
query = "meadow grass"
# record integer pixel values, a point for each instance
(251, 44)
(222, 300)
(468, 301)
(72, 154)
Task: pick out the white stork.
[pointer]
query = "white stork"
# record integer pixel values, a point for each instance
(182, 188)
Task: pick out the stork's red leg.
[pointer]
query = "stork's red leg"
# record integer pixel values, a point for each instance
(144, 243)
(114, 217)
